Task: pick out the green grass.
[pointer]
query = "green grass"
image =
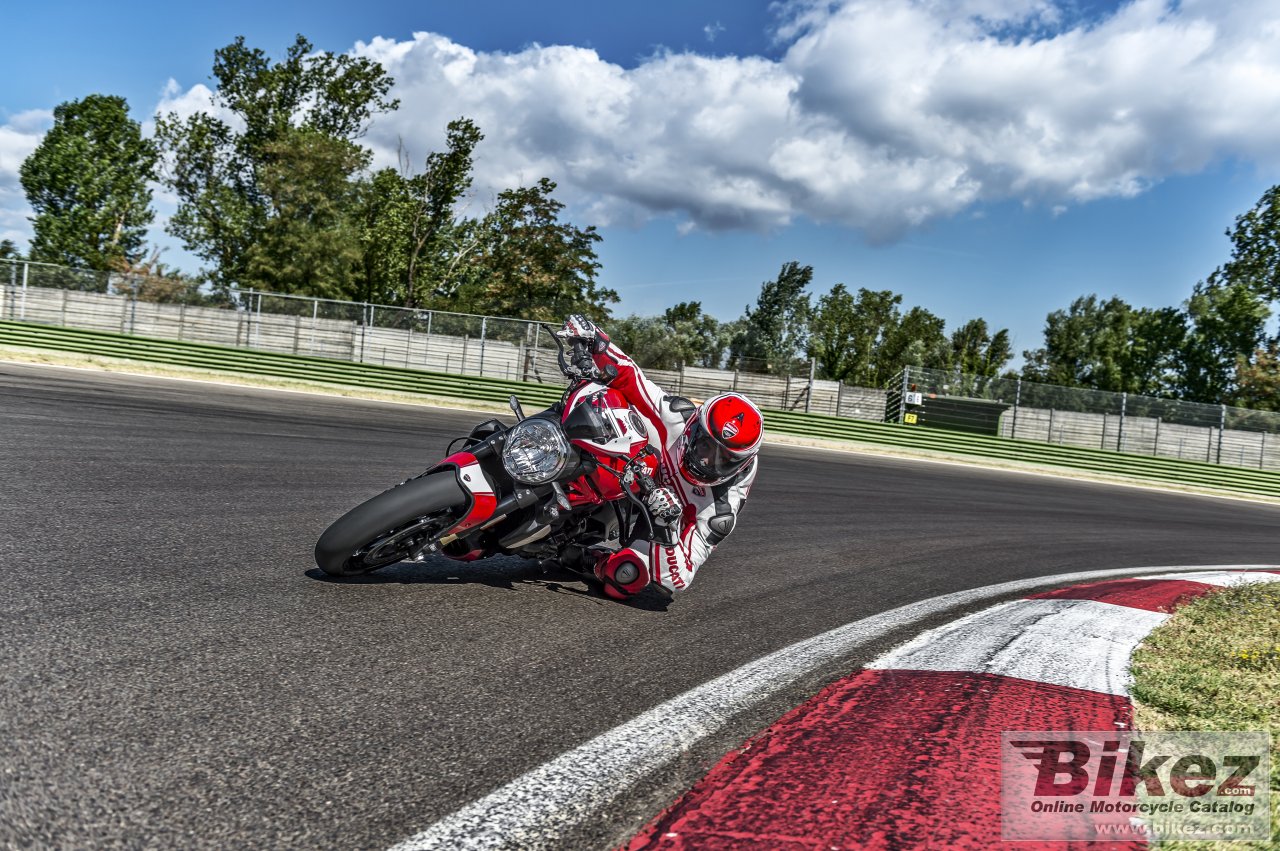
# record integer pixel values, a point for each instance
(1215, 665)
(1109, 465)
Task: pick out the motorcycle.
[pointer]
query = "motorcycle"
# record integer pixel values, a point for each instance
(561, 486)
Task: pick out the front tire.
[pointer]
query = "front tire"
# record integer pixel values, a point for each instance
(364, 538)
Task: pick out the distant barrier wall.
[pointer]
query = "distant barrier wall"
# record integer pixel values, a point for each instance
(518, 350)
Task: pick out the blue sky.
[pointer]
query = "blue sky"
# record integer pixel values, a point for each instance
(990, 158)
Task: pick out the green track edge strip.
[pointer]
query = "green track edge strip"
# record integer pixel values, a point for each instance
(465, 387)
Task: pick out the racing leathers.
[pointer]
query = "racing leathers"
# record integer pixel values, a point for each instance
(695, 517)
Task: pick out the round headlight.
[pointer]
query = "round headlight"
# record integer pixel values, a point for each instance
(536, 451)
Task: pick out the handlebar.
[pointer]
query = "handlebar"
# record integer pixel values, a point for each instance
(579, 365)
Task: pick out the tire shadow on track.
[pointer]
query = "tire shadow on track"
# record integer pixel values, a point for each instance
(505, 574)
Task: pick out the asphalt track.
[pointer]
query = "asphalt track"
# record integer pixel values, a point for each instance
(175, 673)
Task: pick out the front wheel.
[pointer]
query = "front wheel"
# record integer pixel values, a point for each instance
(391, 526)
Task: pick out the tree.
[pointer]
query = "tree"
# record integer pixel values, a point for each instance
(975, 351)
(831, 334)
(847, 334)
(87, 183)
(1255, 248)
(772, 334)
(1226, 321)
(866, 340)
(1109, 346)
(438, 243)
(1070, 355)
(700, 338)
(414, 242)
(9, 251)
(384, 218)
(218, 168)
(149, 279)
(1152, 356)
(682, 336)
(647, 340)
(917, 340)
(528, 263)
(309, 242)
(1258, 380)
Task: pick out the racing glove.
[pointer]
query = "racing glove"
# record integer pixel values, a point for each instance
(578, 327)
(663, 504)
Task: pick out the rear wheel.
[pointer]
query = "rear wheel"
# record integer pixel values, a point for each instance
(391, 526)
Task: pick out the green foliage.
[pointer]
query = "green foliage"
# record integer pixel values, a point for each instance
(528, 263)
(917, 340)
(1259, 380)
(8, 250)
(151, 280)
(1255, 248)
(1226, 322)
(976, 351)
(1194, 353)
(1109, 346)
(87, 183)
(280, 199)
(772, 335)
(847, 335)
(415, 247)
(1151, 358)
(682, 335)
(866, 340)
(439, 242)
(384, 217)
(223, 176)
(309, 242)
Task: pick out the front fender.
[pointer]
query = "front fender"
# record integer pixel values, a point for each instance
(482, 498)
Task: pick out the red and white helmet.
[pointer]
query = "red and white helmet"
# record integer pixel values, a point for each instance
(721, 439)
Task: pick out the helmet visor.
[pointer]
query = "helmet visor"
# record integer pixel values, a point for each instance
(707, 459)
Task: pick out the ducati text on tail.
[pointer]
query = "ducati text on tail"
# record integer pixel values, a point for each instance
(561, 486)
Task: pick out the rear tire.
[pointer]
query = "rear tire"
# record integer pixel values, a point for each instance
(339, 550)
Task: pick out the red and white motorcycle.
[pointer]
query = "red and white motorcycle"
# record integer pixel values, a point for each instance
(560, 486)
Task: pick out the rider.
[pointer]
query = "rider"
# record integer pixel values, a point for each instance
(708, 462)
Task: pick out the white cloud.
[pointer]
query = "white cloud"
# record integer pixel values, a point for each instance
(880, 115)
(199, 98)
(19, 136)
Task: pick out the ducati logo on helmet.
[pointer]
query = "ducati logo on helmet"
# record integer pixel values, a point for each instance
(730, 428)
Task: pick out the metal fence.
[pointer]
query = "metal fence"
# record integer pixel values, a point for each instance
(1145, 425)
(465, 344)
(435, 340)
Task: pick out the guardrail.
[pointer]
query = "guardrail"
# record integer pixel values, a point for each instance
(254, 362)
(520, 350)
(326, 370)
(434, 340)
(1161, 469)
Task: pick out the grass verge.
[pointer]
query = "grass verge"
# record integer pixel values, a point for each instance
(123, 365)
(130, 367)
(1215, 665)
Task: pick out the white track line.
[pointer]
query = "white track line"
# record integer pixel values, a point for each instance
(1228, 580)
(534, 810)
(979, 462)
(1078, 643)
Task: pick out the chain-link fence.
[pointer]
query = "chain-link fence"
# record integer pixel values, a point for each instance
(465, 344)
(1145, 425)
(433, 340)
